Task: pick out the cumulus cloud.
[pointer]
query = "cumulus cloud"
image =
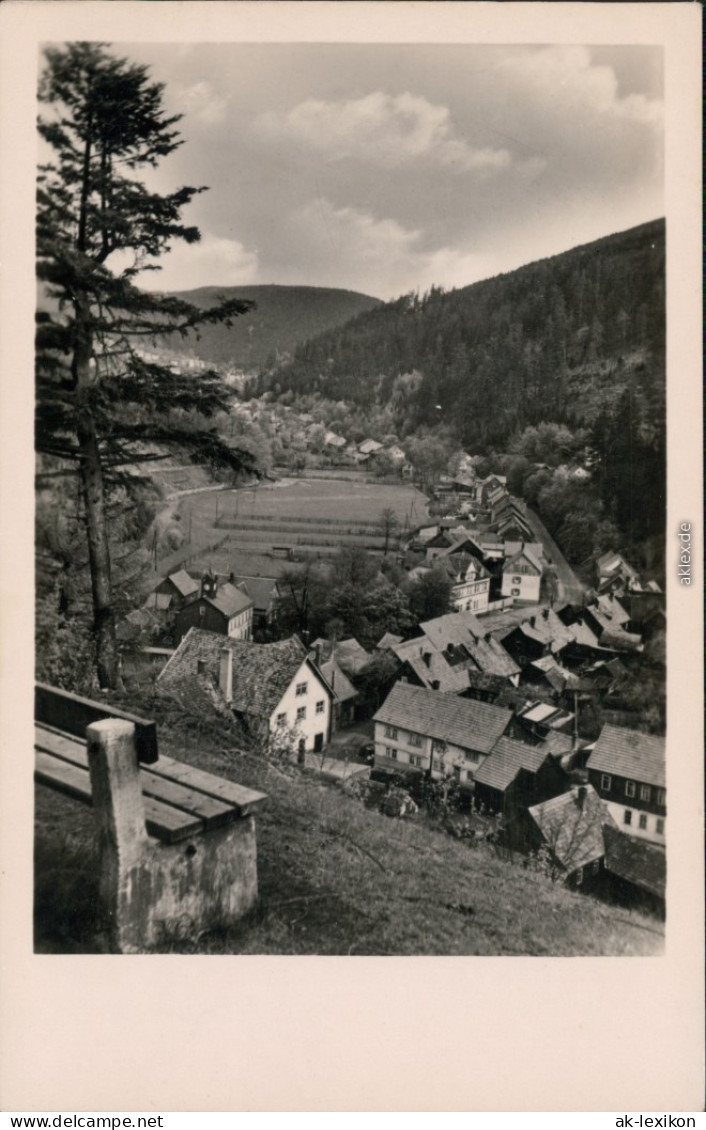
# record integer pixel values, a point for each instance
(200, 102)
(349, 247)
(385, 129)
(567, 77)
(213, 261)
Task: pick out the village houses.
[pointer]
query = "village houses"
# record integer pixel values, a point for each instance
(627, 770)
(418, 730)
(275, 689)
(220, 607)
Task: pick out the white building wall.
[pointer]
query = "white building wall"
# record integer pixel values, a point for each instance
(240, 626)
(649, 832)
(291, 703)
(395, 748)
(521, 586)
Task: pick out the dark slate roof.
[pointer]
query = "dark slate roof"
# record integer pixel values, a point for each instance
(556, 743)
(262, 590)
(620, 641)
(638, 861)
(465, 629)
(183, 583)
(573, 829)
(388, 640)
(433, 669)
(630, 754)
(461, 721)
(230, 600)
(527, 555)
(342, 687)
(261, 672)
(350, 655)
(506, 760)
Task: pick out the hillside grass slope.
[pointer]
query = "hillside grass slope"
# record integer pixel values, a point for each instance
(337, 877)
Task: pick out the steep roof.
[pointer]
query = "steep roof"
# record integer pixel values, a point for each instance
(261, 672)
(337, 679)
(461, 721)
(526, 555)
(432, 669)
(183, 583)
(229, 600)
(350, 655)
(630, 754)
(573, 827)
(388, 640)
(506, 760)
(262, 590)
(637, 860)
(464, 629)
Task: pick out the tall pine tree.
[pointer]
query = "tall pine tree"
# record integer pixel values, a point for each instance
(98, 399)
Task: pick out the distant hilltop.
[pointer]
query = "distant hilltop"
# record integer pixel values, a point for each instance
(284, 316)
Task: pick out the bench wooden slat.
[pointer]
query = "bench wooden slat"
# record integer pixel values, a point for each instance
(62, 776)
(72, 714)
(214, 811)
(161, 820)
(243, 799)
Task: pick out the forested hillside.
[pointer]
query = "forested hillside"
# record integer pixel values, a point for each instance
(283, 317)
(576, 340)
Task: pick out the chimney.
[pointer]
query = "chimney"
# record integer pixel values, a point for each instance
(426, 656)
(317, 654)
(533, 621)
(231, 578)
(225, 674)
(545, 614)
(487, 637)
(208, 584)
(581, 796)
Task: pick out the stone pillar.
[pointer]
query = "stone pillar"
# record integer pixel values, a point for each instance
(122, 838)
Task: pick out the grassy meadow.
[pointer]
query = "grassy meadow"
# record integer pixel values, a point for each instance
(338, 877)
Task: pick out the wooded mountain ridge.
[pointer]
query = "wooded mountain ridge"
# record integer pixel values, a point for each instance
(282, 318)
(555, 340)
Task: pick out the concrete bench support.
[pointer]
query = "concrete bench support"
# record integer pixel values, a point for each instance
(205, 880)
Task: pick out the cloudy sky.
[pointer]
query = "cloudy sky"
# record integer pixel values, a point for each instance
(388, 168)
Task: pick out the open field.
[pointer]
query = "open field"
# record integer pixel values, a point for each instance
(236, 530)
(338, 877)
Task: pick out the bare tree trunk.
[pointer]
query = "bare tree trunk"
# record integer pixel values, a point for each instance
(94, 502)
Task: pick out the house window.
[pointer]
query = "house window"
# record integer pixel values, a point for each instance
(517, 580)
(320, 707)
(391, 732)
(514, 592)
(301, 688)
(605, 781)
(391, 753)
(415, 739)
(642, 822)
(630, 788)
(281, 719)
(438, 765)
(644, 792)
(415, 759)
(472, 755)
(301, 713)
(627, 816)
(659, 826)
(438, 746)
(661, 796)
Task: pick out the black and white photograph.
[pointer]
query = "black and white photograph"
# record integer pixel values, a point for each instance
(351, 544)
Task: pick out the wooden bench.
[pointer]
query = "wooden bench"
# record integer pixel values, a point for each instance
(176, 844)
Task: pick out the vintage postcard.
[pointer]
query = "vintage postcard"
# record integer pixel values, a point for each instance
(351, 381)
